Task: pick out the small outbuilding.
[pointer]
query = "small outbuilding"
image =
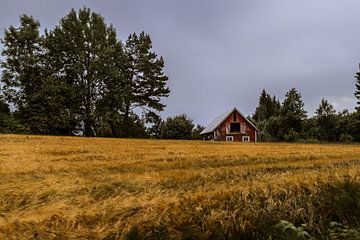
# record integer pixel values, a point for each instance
(231, 126)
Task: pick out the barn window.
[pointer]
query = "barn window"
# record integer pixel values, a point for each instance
(246, 139)
(229, 138)
(235, 127)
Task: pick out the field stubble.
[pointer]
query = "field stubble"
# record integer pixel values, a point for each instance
(93, 188)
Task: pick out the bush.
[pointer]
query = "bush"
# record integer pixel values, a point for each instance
(292, 136)
(345, 138)
(177, 127)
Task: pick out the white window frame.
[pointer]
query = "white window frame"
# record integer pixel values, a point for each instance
(229, 138)
(245, 137)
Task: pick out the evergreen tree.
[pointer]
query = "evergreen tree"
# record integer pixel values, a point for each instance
(195, 135)
(310, 130)
(276, 106)
(145, 79)
(273, 130)
(267, 107)
(354, 125)
(292, 115)
(357, 86)
(260, 111)
(326, 121)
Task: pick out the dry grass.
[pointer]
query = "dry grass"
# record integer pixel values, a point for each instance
(92, 188)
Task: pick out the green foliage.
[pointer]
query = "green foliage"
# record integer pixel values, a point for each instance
(292, 113)
(155, 129)
(345, 138)
(292, 124)
(195, 134)
(132, 127)
(339, 231)
(274, 129)
(177, 127)
(357, 88)
(311, 132)
(144, 75)
(289, 231)
(336, 231)
(354, 125)
(348, 124)
(267, 107)
(22, 70)
(80, 79)
(83, 50)
(292, 136)
(283, 122)
(8, 122)
(326, 121)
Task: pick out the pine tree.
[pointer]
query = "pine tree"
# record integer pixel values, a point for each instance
(267, 107)
(357, 85)
(146, 81)
(326, 121)
(277, 106)
(293, 105)
(292, 115)
(261, 110)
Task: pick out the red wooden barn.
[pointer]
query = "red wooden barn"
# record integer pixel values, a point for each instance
(231, 126)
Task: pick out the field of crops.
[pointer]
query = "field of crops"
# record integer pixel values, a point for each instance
(94, 188)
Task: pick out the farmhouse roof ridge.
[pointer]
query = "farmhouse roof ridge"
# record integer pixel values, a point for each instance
(217, 121)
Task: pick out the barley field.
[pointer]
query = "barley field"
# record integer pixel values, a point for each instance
(98, 188)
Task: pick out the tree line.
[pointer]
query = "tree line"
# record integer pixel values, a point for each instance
(288, 121)
(80, 79)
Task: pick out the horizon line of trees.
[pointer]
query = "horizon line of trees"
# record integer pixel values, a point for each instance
(80, 79)
(288, 121)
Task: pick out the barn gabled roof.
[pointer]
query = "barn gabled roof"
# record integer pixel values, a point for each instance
(217, 121)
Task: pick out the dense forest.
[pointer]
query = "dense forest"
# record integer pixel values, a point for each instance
(80, 79)
(288, 121)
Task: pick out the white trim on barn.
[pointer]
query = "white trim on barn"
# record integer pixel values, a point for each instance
(245, 138)
(229, 138)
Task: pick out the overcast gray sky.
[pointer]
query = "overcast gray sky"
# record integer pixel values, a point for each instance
(221, 54)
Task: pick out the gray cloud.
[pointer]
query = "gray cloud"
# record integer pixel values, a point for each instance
(221, 54)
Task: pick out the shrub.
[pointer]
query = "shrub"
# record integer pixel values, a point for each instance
(345, 138)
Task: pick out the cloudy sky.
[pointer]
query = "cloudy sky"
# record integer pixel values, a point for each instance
(221, 54)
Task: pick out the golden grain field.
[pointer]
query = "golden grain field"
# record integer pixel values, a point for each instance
(98, 188)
